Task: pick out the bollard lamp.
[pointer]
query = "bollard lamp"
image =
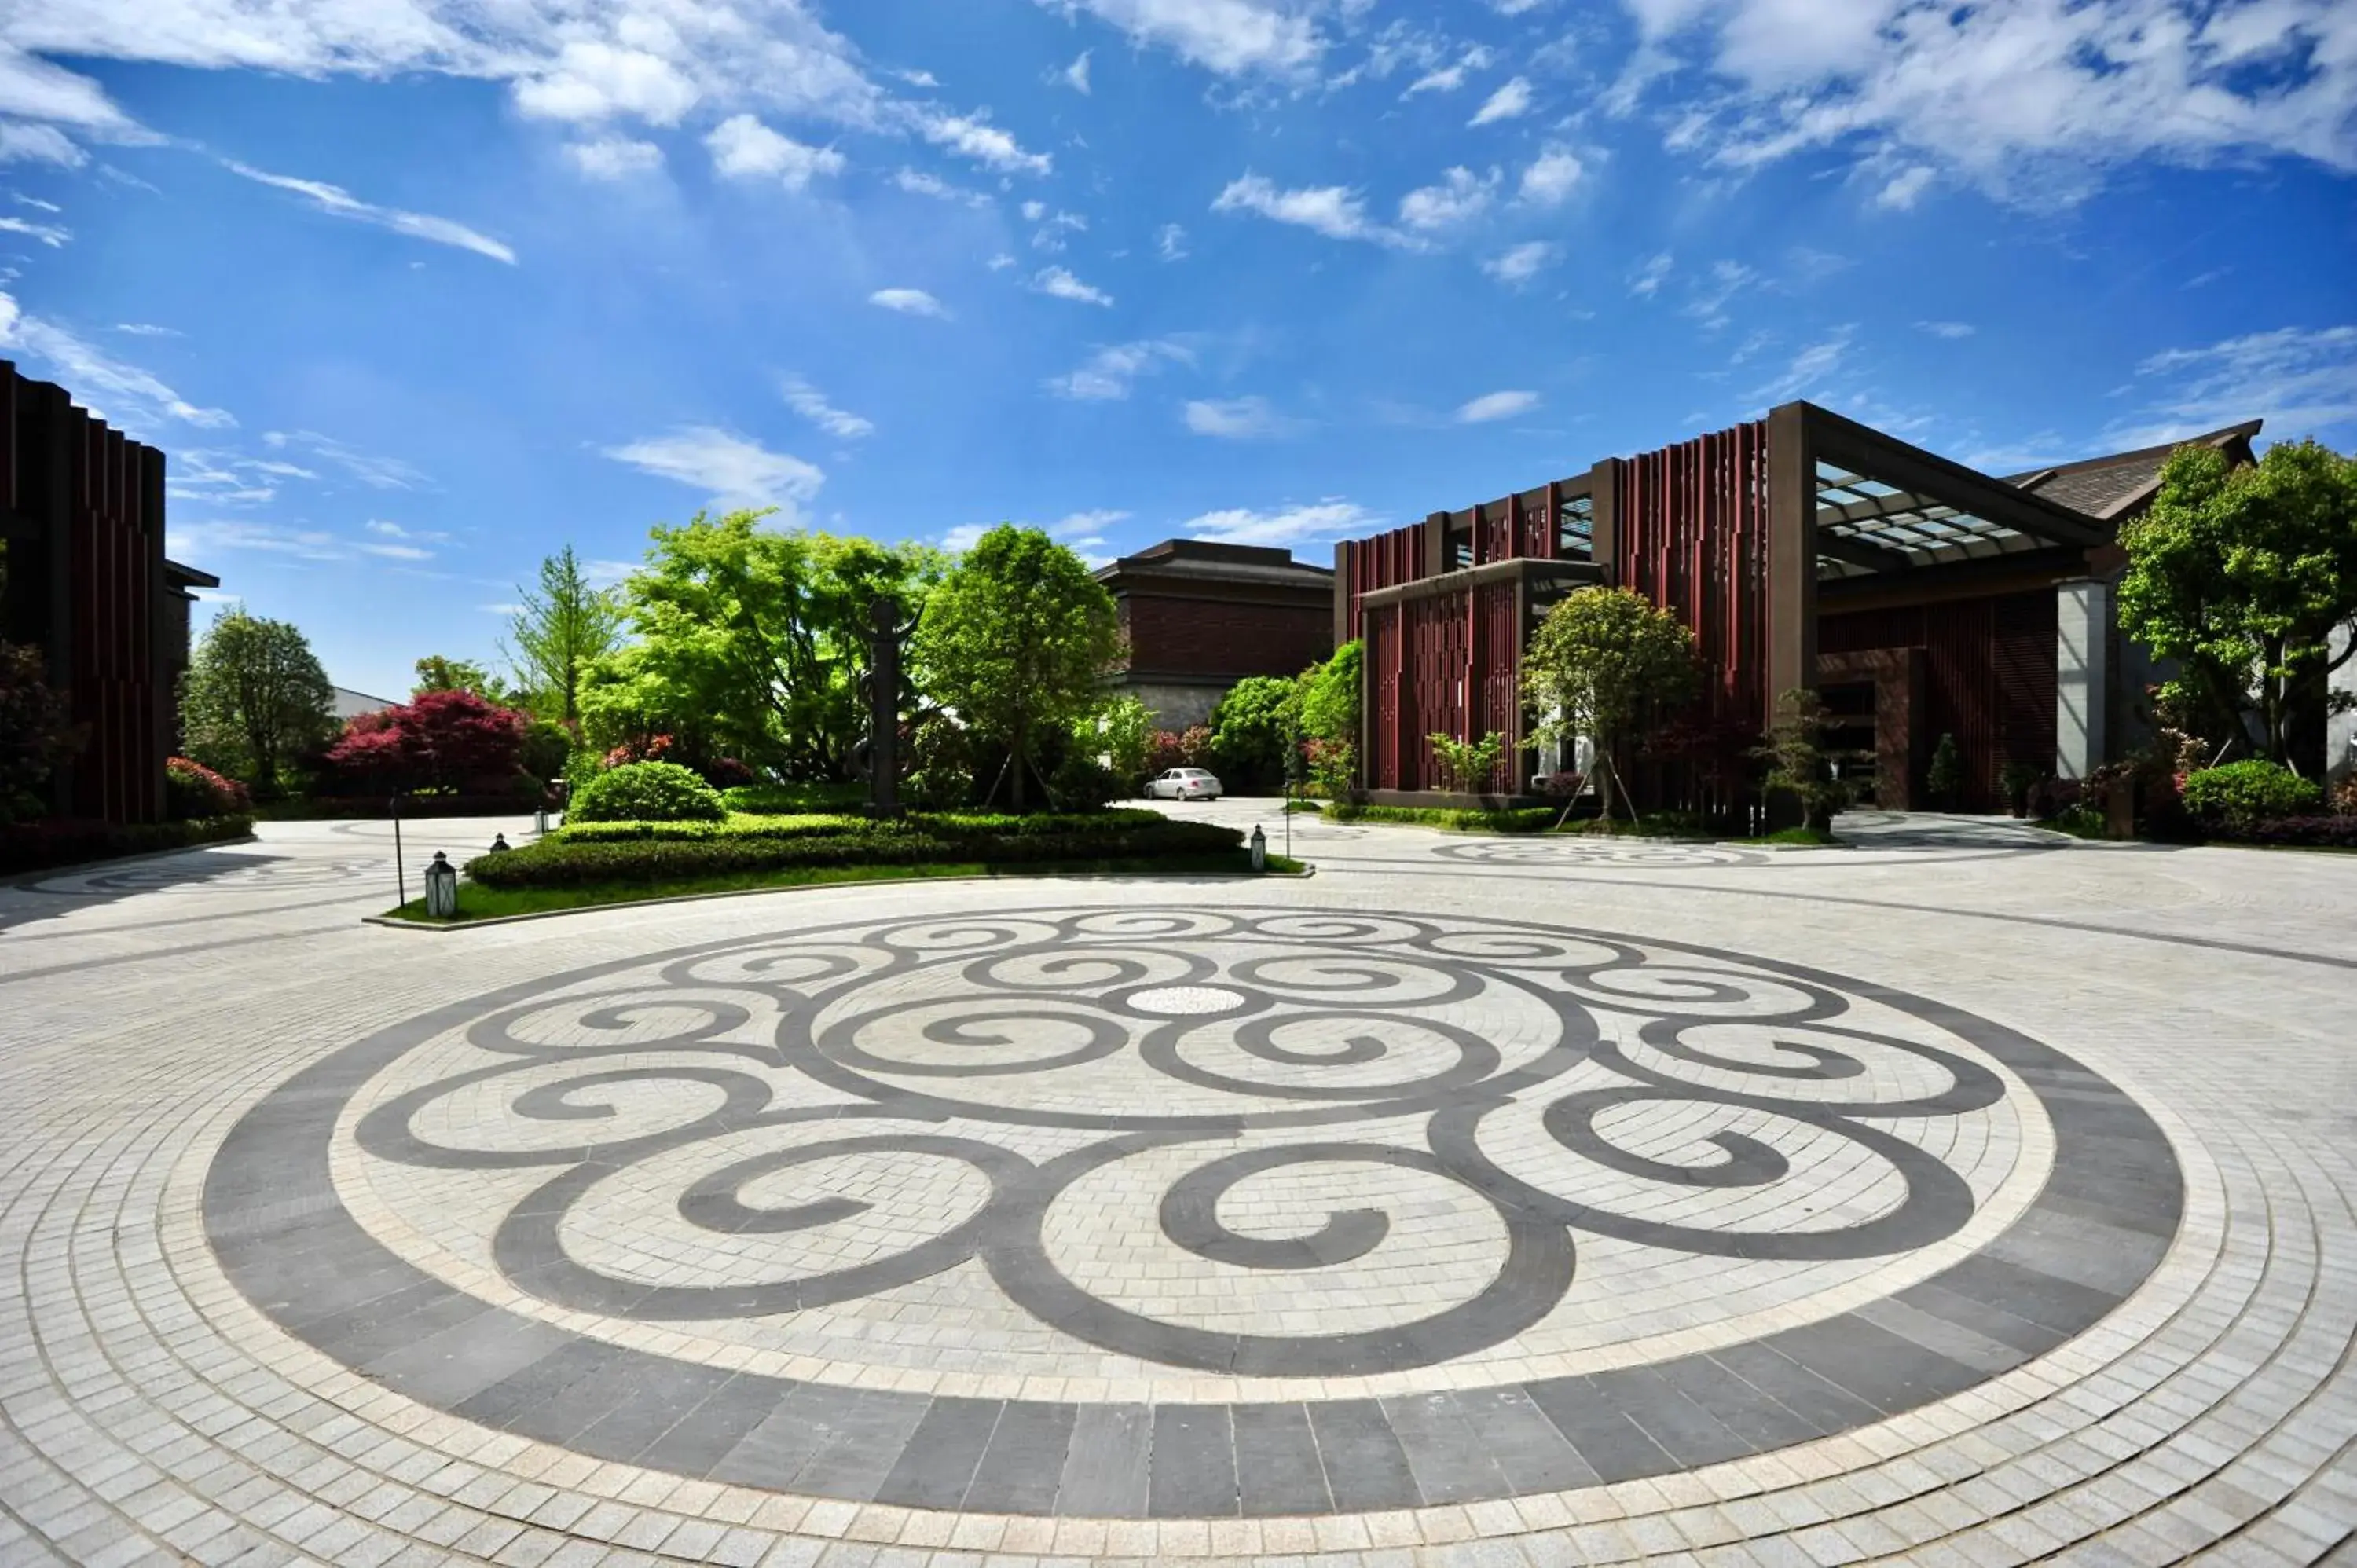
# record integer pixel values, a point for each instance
(441, 888)
(1259, 849)
(500, 844)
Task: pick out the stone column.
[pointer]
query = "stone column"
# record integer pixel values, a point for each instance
(2083, 618)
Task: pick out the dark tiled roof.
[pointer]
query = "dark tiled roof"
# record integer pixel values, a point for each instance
(1203, 561)
(2106, 487)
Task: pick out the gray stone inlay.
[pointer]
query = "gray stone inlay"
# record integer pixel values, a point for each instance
(2102, 1221)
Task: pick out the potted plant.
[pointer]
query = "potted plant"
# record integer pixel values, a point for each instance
(1944, 779)
(2015, 779)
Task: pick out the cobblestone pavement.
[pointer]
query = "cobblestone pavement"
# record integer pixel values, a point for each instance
(1968, 1196)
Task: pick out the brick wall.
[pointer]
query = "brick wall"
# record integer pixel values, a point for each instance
(1228, 637)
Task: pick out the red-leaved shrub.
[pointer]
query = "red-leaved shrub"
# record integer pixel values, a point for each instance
(440, 740)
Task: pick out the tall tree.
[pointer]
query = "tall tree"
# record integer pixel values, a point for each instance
(1252, 729)
(436, 673)
(564, 625)
(2243, 576)
(1604, 661)
(1017, 641)
(751, 640)
(256, 699)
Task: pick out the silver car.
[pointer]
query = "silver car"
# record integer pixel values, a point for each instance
(1183, 784)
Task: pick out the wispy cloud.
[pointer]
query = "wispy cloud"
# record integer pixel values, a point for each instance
(145, 330)
(736, 472)
(973, 136)
(1808, 371)
(1450, 77)
(810, 403)
(1059, 284)
(1109, 373)
(1231, 38)
(1334, 211)
(910, 302)
(1551, 177)
(209, 537)
(1492, 407)
(1171, 242)
(1332, 518)
(123, 392)
(1239, 419)
(1076, 75)
(1460, 196)
(338, 201)
(744, 148)
(1648, 279)
(918, 182)
(376, 472)
(2301, 381)
(1509, 102)
(49, 234)
(1519, 263)
(614, 157)
(1947, 328)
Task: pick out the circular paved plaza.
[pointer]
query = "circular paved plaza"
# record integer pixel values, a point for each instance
(1966, 1197)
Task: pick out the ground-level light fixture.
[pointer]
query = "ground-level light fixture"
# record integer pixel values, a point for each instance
(441, 888)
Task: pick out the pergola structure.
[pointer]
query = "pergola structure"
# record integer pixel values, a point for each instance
(1921, 596)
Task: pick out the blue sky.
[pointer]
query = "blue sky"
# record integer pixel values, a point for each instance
(415, 291)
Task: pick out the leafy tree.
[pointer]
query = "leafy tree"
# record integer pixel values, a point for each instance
(1016, 641)
(435, 673)
(1944, 779)
(36, 731)
(2243, 576)
(1329, 696)
(256, 699)
(1122, 732)
(751, 641)
(1601, 664)
(1797, 759)
(452, 740)
(564, 626)
(1252, 727)
(1469, 763)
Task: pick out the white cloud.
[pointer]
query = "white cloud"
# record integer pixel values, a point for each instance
(49, 235)
(973, 137)
(1809, 369)
(1551, 177)
(1239, 419)
(2301, 381)
(36, 202)
(736, 472)
(1076, 75)
(1171, 242)
(592, 80)
(916, 182)
(1496, 405)
(744, 148)
(123, 393)
(145, 330)
(1519, 263)
(1110, 372)
(1001, 261)
(1510, 102)
(1449, 78)
(1053, 227)
(1648, 280)
(377, 473)
(910, 302)
(1059, 284)
(212, 536)
(1712, 293)
(395, 530)
(20, 143)
(1460, 196)
(2028, 99)
(341, 203)
(810, 403)
(1232, 38)
(1331, 519)
(614, 157)
(1904, 188)
(1947, 328)
(1334, 211)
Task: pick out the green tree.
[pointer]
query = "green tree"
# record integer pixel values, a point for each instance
(36, 731)
(435, 673)
(1469, 763)
(1016, 641)
(1254, 726)
(1331, 698)
(1797, 762)
(1121, 731)
(1604, 663)
(750, 641)
(2242, 577)
(256, 699)
(564, 626)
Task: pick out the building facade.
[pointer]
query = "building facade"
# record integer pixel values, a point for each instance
(84, 578)
(1920, 597)
(1197, 616)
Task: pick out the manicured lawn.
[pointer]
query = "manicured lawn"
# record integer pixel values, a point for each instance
(480, 903)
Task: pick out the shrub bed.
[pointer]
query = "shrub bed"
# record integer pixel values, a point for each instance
(2240, 795)
(377, 808)
(670, 854)
(786, 800)
(1519, 820)
(43, 847)
(646, 792)
(2303, 832)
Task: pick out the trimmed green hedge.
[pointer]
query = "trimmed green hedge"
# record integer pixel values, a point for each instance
(2240, 795)
(646, 792)
(725, 849)
(45, 846)
(817, 825)
(1519, 820)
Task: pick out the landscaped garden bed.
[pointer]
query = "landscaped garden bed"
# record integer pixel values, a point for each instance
(589, 864)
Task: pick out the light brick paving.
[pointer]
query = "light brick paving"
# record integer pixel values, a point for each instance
(149, 1412)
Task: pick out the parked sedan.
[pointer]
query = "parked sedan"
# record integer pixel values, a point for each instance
(1183, 784)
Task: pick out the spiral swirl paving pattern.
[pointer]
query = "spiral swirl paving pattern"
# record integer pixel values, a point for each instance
(1113, 1174)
